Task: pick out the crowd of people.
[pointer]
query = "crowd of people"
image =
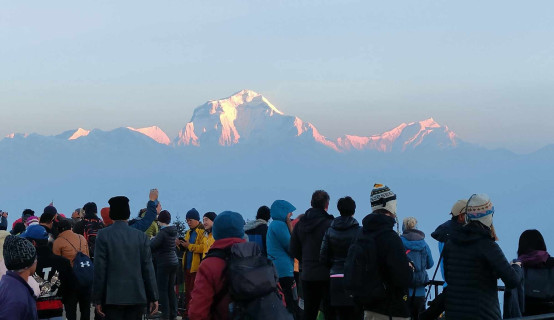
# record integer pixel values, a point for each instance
(312, 266)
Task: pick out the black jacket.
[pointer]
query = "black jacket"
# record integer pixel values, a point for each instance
(337, 241)
(79, 227)
(393, 266)
(123, 269)
(56, 280)
(163, 247)
(444, 230)
(305, 244)
(257, 232)
(473, 262)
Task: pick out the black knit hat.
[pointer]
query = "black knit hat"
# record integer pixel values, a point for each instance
(210, 215)
(119, 208)
(48, 214)
(19, 253)
(263, 213)
(164, 217)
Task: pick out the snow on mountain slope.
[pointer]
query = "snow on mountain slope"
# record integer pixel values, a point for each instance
(153, 132)
(404, 137)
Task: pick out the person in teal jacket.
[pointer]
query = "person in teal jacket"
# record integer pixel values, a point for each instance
(278, 239)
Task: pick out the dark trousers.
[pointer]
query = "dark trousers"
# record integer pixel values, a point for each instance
(316, 295)
(416, 305)
(165, 276)
(81, 298)
(348, 313)
(189, 286)
(288, 285)
(113, 312)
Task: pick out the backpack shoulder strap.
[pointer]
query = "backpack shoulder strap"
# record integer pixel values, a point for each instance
(223, 254)
(71, 244)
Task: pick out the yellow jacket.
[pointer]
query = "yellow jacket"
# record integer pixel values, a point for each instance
(209, 239)
(197, 248)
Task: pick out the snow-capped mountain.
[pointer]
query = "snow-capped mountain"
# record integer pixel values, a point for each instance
(248, 116)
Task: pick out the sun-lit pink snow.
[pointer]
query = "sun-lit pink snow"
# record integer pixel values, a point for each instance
(155, 133)
(79, 133)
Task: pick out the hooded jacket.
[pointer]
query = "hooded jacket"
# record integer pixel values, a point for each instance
(196, 249)
(278, 239)
(257, 232)
(473, 262)
(420, 254)
(337, 241)
(305, 243)
(393, 265)
(163, 247)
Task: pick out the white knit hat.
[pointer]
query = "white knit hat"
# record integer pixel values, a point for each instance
(480, 208)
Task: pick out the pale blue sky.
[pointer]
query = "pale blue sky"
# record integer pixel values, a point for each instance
(485, 69)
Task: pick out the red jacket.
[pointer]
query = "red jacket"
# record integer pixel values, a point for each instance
(210, 280)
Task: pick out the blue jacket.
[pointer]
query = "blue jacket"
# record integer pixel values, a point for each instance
(278, 239)
(149, 217)
(16, 298)
(419, 253)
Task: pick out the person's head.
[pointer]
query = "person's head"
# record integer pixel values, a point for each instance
(409, 223)
(37, 235)
(76, 215)
(193, 218)
(458, 211)
(90, 209)
(26, 214)
(64, 225)
(383, 200)
(164, 218)
(228, 224)
(119, 208)
(105, 213)
(3, 235)
(346, 206)
(280, 210)
(48, 216)
(31, 221)
(263, 213)
(19, 255)
(529, 241)
(208, 220)
(142, 212)
(320, 200)
(481, 210)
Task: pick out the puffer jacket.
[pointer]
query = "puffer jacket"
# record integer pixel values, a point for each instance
(393, 265)
(278, 239)
(337, 241)
(419, 252)
(163, 247)
(473, 262)
(305, 243)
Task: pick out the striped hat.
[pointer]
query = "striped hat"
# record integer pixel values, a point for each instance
(383, 198)
(480, 208)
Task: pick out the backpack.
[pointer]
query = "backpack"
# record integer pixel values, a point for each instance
(83, 268)
(92, 226)
(362, 275)
(419, 258)
(539, 283)
(252, 283)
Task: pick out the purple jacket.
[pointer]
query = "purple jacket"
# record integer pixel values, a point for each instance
(16, 298)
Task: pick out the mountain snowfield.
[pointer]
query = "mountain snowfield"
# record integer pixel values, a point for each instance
(241, 152)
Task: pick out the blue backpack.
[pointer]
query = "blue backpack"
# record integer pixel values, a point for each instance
(82, 268)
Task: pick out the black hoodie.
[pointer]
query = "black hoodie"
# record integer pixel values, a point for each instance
(473, 262)
(305, 244)
(393, 265)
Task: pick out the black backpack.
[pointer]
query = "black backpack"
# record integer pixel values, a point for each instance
(83, 268)
(362, 275)
(539, 283)
(252, 283)
(91, 228)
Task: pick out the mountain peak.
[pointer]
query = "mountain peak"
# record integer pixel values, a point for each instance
(79, 133)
